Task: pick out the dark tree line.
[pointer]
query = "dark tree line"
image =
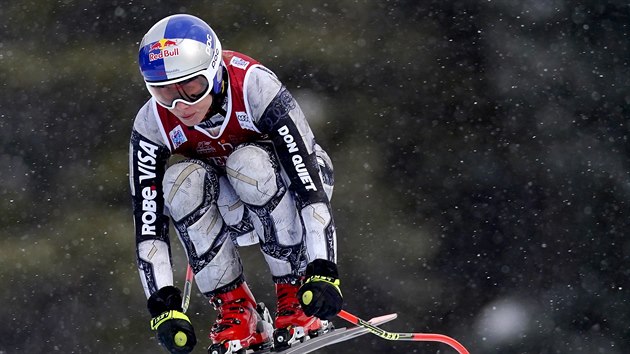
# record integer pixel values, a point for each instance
(480, 151)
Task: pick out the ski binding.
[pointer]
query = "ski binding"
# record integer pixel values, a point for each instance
(308, 344)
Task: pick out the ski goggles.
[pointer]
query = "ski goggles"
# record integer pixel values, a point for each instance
(189, 90)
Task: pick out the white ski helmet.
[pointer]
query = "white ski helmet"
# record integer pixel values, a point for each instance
(177, 49)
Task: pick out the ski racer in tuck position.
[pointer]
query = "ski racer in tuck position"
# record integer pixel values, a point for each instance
(252, 173)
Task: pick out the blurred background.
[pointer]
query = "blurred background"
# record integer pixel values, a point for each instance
(481, 154)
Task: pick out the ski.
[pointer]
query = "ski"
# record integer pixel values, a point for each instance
(416, 337)
(334, 336)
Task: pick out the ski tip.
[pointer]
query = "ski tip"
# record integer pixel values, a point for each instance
(382, 319)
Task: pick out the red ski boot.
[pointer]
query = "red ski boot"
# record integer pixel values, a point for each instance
(240, 325)
(291, 323)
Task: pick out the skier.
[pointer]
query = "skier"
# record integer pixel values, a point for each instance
(252, 173)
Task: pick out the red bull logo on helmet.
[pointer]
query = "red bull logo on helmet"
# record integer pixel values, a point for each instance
(167, 48)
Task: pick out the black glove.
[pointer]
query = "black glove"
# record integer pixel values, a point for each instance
(174, 330)
(320, 295)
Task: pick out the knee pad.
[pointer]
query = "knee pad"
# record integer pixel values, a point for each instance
(252, 173)
(190, 190)
(185, 188)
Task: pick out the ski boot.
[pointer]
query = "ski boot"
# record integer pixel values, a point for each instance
(291, 324)
(241, 324)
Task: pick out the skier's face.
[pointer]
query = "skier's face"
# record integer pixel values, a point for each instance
(192, 114)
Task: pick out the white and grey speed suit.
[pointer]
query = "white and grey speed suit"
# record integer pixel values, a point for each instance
(252, 172)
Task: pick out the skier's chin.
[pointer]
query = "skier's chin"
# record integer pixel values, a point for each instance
(189, 119)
